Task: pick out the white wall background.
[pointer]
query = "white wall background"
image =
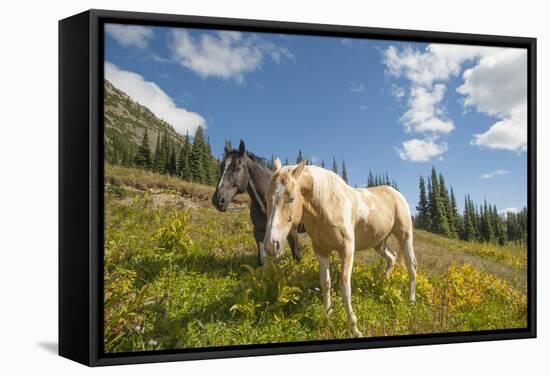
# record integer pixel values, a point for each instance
(28, 185)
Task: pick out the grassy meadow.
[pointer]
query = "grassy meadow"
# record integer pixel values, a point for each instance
(179, 274)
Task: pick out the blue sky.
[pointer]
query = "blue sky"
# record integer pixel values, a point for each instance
(387, 106)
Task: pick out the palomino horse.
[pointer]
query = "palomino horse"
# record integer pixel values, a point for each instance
(243, 171)
(338, 217)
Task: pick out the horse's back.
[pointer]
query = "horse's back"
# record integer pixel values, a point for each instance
(388, 211)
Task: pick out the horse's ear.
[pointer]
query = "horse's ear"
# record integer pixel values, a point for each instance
(277, 165)
(299, 169)
(242, 148)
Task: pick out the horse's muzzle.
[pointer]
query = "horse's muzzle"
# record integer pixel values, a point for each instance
(273, 248)
(219, 203)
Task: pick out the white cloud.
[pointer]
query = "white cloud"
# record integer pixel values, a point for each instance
(418, 150)
(438, 62)
(150, 95)
(224, 54)
(425, 114)
(509, 133)
(495, 84)
(494, 173)
(357, 88)
(130, 35)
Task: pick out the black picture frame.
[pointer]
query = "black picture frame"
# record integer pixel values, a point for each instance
(81, 186)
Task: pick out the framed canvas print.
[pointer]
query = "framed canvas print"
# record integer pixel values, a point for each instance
(239, 187)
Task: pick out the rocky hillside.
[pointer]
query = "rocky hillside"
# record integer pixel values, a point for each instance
(125, 124)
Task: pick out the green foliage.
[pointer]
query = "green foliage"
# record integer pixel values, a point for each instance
(300, 157)
(182, 277)
(437, 212)
(172, 234)
(375, 180)
(438, 216)
(143, 156)
(227, 147)
(344, 171)
(423, 215)
(173, 154)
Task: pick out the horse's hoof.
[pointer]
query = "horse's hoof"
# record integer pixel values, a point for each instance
(357, 333)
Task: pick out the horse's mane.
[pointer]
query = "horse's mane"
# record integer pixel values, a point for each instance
(262, 161)
(326, 183)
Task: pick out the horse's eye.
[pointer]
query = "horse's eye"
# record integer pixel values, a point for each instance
(289, 200)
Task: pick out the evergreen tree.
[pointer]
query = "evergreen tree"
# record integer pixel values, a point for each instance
(196, 157)
(185, 153)
(370, 179)
(469, 232)
(323, 163)
(160, 158)
(165, 153)
(227, 147)
(394, 184)
(455, 216)
(500, 230)
(183, 163)
(344, 171)
(286, 161)
(487, 230)
(143, 156)
(172, 166)
(438, 218)
(422, 210)
(208, 162)
(214, 170)
(156, 158)
(334, 166)
(447, 207)
(300, 157)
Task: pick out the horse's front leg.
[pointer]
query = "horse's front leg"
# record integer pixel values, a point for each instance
(294, 244)
(347, 254)
(259, 236)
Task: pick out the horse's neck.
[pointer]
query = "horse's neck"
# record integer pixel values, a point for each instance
(316, 204)
(257, 184)
(311, 206)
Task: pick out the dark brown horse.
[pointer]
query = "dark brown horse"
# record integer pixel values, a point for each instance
(240, 172)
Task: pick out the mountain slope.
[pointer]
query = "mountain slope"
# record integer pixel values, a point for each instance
(126, 121)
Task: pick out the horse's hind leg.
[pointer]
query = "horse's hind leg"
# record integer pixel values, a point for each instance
(384, 251)
(324, 278)
(407, 251)
(294, 244)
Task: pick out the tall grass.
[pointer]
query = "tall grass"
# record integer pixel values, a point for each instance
(187, 278)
